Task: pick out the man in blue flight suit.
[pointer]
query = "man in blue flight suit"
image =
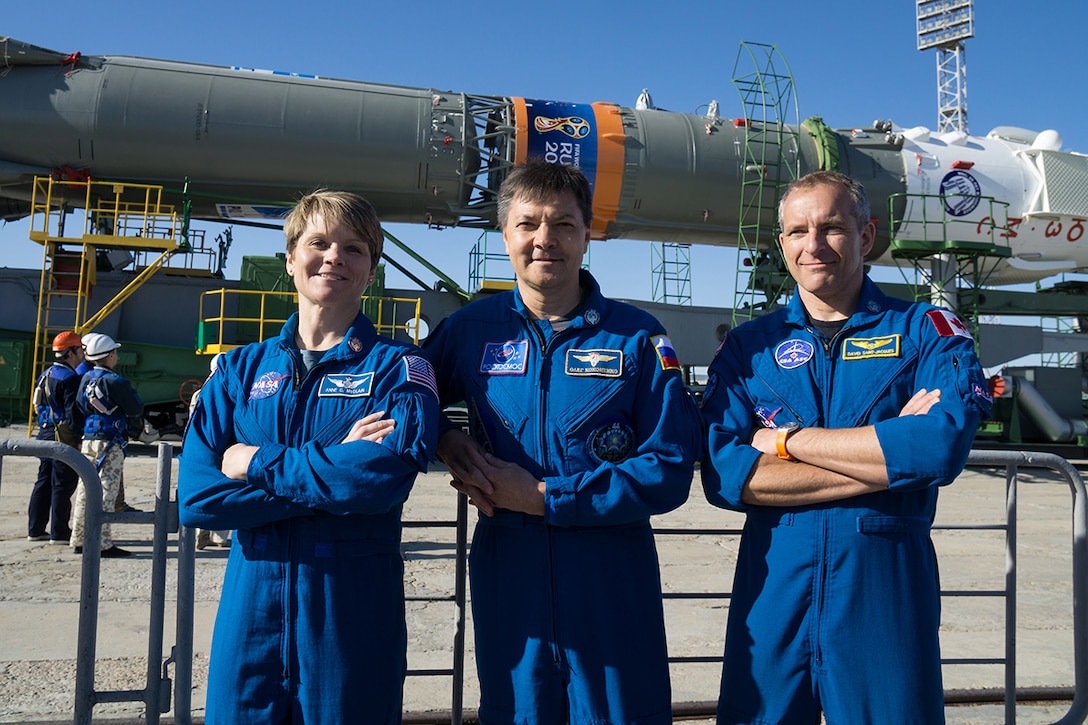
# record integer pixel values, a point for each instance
(581, 429)
(831, 423)
(59, 419)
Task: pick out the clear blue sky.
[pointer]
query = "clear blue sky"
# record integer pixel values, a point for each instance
(852, 61)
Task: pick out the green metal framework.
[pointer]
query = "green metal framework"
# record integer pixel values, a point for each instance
(771, 161)
(944, 250)
(671, 272)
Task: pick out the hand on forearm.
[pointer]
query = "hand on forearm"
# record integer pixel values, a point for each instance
(236, 461)
(371, 428)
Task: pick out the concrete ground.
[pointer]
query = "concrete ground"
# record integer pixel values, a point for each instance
(39, 594)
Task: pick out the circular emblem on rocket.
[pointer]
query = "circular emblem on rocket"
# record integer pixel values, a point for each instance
(960, 193)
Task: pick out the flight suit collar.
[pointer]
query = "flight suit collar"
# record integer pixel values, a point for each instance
(872, 302)
(358, 339)
(589, 314)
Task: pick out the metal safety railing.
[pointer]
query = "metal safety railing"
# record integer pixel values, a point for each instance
(156, 694)
(1012, 462)
(157, 691)
(459, 598)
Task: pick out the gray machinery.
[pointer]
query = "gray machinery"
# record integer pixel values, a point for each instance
(250, 142)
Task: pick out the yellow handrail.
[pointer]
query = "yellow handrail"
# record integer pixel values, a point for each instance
(223, 326)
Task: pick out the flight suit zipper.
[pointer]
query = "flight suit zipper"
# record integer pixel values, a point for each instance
(544, 380)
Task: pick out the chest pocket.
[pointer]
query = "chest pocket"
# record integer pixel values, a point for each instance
(263, 407)
(593, 425)
(879, 386)
(511, 414)
(499, 406)
(782, 396)
(584, 399)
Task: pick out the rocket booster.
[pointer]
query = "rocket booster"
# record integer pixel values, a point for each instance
(249, 142)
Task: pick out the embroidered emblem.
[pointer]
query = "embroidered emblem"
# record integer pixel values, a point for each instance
(595, 363)
(355, 344)
(793, 353)
(612, 442)
(592, 317)
(505, 358)
(345, 385)
(983, 392)
(418, 370)
(873, 306)
(947, 324)
(267, 385)
(863, 348)
(665, 353)
(766, 416)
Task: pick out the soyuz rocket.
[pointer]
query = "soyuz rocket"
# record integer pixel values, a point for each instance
(249, 142)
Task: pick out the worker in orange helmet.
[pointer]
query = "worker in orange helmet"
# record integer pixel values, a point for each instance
(59, 419)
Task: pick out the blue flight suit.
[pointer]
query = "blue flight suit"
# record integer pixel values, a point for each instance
(311, 620)
(59, 419)
(567, 607)
(837, 606)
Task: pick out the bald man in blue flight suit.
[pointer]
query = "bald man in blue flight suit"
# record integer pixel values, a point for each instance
(831, 424)
(581, 429)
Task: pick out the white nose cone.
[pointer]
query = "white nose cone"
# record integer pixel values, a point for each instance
(1048, 140)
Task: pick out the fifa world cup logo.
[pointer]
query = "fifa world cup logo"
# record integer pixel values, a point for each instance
(572, 126)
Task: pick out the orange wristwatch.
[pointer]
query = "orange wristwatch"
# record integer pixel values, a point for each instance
(784, 432)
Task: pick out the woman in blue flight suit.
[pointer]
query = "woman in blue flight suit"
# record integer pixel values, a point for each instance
(308, 445)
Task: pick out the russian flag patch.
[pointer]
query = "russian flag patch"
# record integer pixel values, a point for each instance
(665, 353)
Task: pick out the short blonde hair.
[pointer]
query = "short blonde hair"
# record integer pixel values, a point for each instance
(342, 207)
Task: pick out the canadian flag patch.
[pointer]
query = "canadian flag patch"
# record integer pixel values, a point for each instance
(948, 324)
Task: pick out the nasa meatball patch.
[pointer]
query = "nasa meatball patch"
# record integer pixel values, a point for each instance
(267, 385)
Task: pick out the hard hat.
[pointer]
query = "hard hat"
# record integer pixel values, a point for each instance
(99, 345)
(66, 340)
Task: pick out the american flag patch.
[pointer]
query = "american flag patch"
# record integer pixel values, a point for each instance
(418, 370)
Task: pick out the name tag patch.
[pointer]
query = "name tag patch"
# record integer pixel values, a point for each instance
(505, 358)
(863, 348)
(345, 386)
(595, 363)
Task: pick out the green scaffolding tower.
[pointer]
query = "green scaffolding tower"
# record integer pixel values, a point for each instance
(771, 159)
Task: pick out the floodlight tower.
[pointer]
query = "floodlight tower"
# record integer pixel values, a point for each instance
(944, 25)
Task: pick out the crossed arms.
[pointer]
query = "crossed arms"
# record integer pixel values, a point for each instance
(832, 463)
